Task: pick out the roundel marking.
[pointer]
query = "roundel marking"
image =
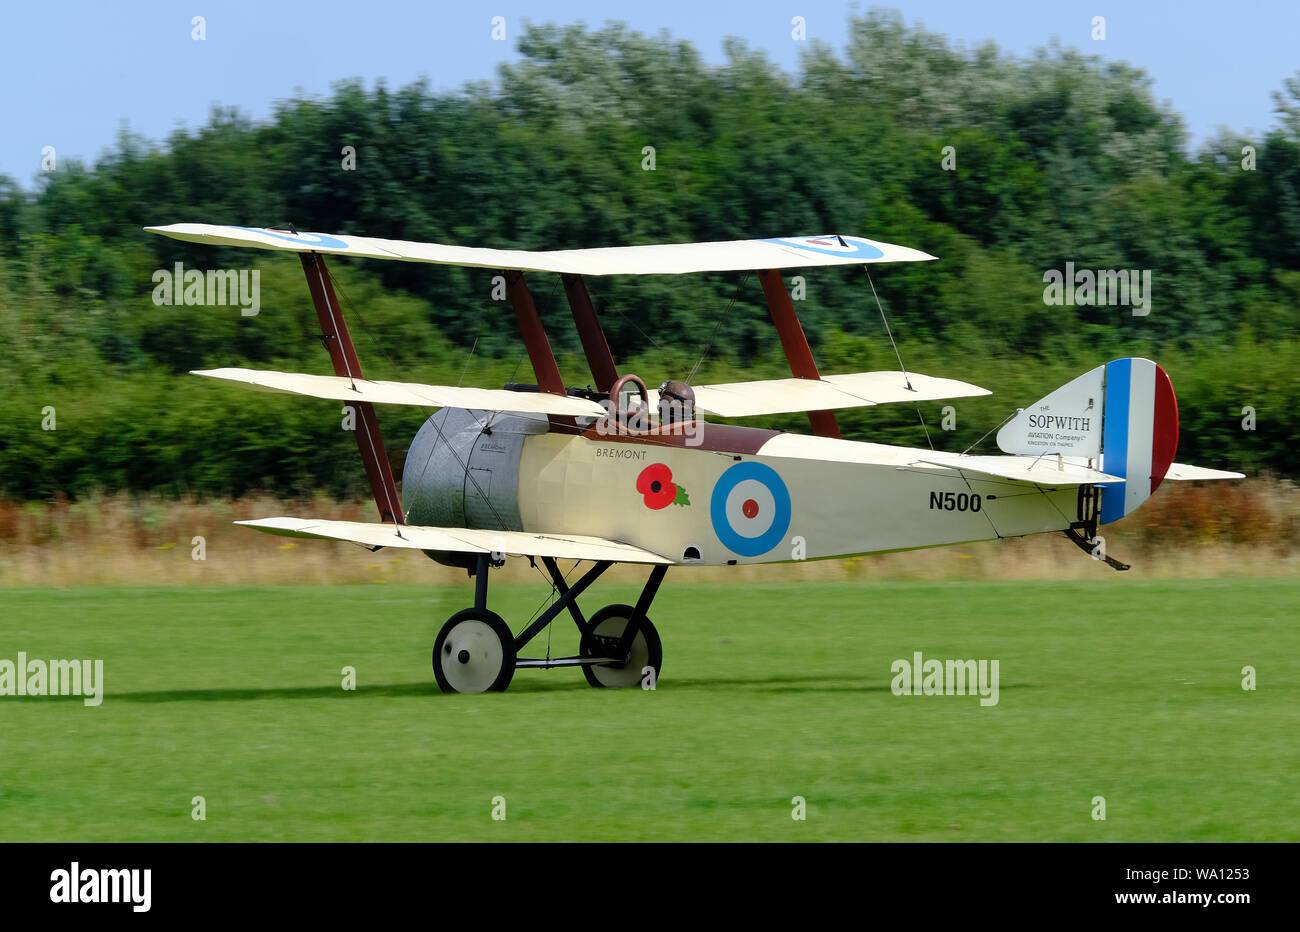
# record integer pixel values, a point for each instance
(830, 246)
(750, 509)
(302, 239)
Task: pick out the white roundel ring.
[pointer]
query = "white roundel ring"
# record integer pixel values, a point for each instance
(301, 239)
(751, 508)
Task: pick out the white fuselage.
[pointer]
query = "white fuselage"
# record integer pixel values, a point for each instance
(795, 498)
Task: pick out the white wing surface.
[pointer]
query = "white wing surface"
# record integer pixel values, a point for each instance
(341, 388)
(856, 390)
(665, 259)
(458, 539)
(1184, 473)
(1040, 471)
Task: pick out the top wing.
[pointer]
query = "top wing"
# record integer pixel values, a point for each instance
(666, 259)
(342, 388)
(459, 539)
(856, 390)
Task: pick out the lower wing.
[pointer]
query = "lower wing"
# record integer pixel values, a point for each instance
(459, 539)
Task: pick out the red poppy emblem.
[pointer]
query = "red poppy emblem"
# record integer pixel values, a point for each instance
(656, 484)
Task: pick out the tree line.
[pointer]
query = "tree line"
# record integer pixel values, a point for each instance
(1005, 168)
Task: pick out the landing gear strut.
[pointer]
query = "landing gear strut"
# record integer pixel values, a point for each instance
(603, 638)
(475, 651)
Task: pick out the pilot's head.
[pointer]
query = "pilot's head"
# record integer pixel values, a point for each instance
(676, 402)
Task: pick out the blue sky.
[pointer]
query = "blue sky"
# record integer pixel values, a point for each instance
(76, 71)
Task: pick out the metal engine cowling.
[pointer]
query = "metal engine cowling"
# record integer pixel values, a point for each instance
(462, 470)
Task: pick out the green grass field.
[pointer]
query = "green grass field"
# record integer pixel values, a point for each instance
(1126, 689)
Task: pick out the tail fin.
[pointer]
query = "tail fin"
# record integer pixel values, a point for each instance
(1122, 416)
(1140, 434)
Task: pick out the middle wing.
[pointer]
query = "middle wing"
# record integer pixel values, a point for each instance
(459, 539)
(855, 390)
(342, 388)
(735, 399)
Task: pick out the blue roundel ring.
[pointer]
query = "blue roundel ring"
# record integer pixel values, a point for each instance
(731, 539)
(857, 248)
(302, 239)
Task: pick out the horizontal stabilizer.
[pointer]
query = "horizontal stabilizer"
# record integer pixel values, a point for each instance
(855, 390)
(1185, 473)
(341, 388)
(665, 259)
(458, 540)
(1041, 471)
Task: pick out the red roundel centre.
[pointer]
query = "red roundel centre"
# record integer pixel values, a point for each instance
(750, 508)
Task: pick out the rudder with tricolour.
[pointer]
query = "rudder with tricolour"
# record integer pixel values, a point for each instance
(1121, 418)
(1139, 433)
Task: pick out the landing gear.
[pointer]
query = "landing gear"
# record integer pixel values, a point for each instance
(603, 638)
(475, 651)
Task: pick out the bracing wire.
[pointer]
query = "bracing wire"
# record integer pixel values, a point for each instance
(473, 346)
(924, 427)
(364, 326)
(897, 355)
(649, 339)
(989, 431)
(735, 295)
(889, 332)
(438, 427)
(690, 376)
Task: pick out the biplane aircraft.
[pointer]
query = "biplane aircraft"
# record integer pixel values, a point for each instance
(620, 473)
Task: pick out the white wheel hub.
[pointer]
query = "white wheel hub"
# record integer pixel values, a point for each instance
(471, 657)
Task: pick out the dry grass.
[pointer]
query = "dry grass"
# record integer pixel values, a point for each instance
(1249, 528)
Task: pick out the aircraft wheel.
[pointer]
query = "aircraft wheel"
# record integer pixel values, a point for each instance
(600, 639)
(474, 653)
